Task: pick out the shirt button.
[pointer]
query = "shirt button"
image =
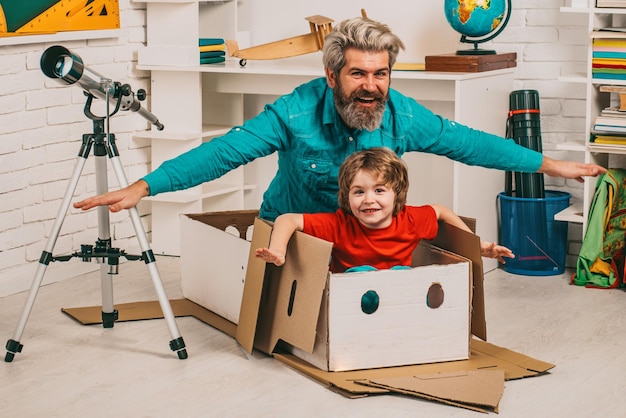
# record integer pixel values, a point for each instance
(237, 129)
(313, 165)
(350, 139)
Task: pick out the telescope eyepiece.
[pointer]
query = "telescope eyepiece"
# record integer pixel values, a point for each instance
(59, 63)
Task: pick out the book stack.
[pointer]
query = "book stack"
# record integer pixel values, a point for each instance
(611, 3)
(609, 128)
(212, 50)
(609, 59)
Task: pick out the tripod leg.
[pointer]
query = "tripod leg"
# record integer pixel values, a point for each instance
(13, 345)
(109, 313)
(176, 344)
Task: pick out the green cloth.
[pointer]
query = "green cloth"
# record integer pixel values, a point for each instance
(601, 258)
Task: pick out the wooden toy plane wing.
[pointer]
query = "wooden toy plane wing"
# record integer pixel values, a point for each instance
(320, 26)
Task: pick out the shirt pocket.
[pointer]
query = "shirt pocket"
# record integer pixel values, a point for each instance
(317, 174)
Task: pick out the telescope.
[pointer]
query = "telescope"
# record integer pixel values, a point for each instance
(60, 64)
(57, 62)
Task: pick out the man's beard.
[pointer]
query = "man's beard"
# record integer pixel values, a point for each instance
(356, 116)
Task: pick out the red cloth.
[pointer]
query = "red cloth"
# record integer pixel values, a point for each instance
(357, 245)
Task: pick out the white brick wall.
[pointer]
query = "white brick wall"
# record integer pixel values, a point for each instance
(41, 128)
(42, 122)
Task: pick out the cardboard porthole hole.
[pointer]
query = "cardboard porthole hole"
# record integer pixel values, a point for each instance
(234, 231)
(434, 296)
(370, 302)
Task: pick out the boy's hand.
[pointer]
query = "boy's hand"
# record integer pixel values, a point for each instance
(493, 250)
(270, 256)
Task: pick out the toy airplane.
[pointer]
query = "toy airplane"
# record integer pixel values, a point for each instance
(298, 45)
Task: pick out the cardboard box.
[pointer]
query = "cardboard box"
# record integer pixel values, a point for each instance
(423, 315)
(214, 255)
(470, 63)
(269, 315)
(317, 315)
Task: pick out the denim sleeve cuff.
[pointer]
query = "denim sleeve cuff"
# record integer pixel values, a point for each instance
(158, 182)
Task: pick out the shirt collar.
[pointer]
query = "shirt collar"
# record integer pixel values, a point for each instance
(330, 114)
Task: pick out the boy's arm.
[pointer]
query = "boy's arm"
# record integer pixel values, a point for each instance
(449, 217)
(491, 250)
(284, 227)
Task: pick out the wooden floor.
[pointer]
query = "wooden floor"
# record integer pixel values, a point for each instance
(70, 370)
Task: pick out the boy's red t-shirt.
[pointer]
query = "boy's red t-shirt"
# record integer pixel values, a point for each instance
(357, 245)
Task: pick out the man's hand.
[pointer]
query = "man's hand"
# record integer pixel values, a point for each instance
(570, 169)
(125, 198)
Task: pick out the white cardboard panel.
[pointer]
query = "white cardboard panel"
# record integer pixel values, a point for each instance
(404, 329)
(213, 267)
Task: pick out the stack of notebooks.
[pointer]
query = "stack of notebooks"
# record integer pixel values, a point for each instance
(212, 50)
(609, 59)
(610, 127)
(611, 3)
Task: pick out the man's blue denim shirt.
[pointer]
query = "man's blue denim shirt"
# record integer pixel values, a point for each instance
(312, 141)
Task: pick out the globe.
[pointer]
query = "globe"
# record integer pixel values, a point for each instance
(477, 21)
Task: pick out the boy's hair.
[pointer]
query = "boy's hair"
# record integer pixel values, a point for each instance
(363, 34)
(382, 162)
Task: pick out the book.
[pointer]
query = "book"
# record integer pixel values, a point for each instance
(212, 60)
(613, 72)
(600, 48)
(609, 54)
(614, 42)
(614, 66)
(606, 139)
(470, 63)
(212, 54)
(609, 124)
(210, 41)
(608, 76)
(611, 3)
(407, 66)
(206, 48)
(613, 112)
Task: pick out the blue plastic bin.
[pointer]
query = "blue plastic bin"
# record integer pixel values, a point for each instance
(528, 228)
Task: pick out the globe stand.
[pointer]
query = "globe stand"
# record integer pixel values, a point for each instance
(449, 4)
(475, 51)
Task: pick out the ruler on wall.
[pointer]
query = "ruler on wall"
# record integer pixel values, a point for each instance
(49, 16)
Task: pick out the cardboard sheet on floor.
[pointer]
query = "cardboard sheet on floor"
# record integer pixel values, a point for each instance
(464, 383)
(139, 311)
(454, 388)
(459, 383)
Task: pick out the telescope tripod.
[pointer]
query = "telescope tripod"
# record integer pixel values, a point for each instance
(104, 147)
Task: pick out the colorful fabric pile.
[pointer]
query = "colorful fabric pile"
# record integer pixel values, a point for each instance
(609, 59)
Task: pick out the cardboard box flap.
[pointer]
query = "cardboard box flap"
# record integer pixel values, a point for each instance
(294, 289)
(524, 363)
(253, 287)
(467, 245)
(484, 356)
(477, 390)
(241, 220)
